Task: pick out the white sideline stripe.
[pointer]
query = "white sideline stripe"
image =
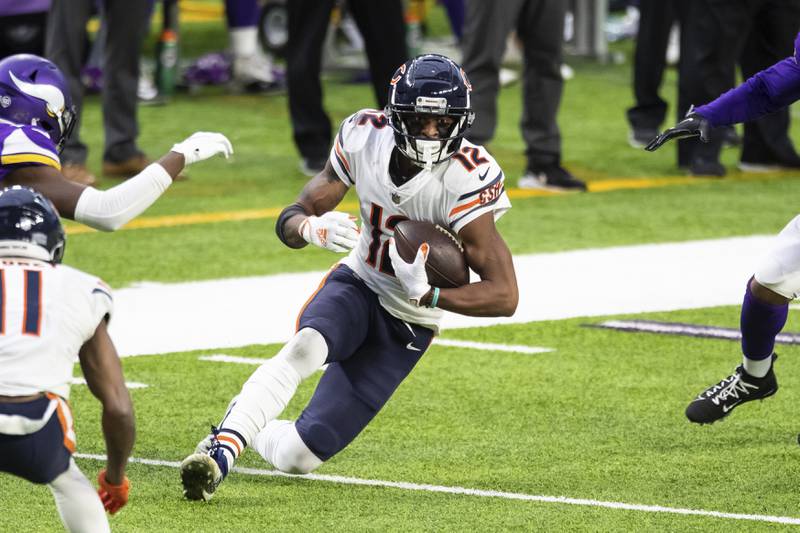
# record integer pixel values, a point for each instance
(514, 348)
(480, 493)
(222, 358)
(129, 384)
(226, 313)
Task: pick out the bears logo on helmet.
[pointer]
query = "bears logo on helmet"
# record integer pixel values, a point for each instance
(33, 91)
(29, 226)
(429, 85)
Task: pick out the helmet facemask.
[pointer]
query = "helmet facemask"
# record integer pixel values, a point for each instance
(407, 123)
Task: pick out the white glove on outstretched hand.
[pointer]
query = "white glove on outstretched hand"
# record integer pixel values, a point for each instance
(334, 231)
(202, 145)
(412, 276)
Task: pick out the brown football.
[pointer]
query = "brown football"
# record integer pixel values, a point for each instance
(446, 265)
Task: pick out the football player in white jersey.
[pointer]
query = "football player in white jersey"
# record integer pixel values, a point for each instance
(37, 116)
(49, 313)
(374, 315)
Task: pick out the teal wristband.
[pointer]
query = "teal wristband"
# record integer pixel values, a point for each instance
(435, 298)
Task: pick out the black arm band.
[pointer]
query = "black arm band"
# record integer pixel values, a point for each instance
(286, 214)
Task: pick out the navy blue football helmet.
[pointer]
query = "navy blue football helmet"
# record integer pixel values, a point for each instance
(29, 226)
(33, 91)
(429, 85)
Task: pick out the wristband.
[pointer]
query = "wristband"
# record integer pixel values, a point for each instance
(286, 214)
(434, 298)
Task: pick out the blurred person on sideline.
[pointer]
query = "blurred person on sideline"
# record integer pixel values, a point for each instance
(754, 34)
(776, 281)
(383, 29)
(65, 45)
(51, 314)
(252, 69)
(540, 28)
(36, 118)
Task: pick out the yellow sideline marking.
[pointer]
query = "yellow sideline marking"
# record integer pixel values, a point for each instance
(188, 219)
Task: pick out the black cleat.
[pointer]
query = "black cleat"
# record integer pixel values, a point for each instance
(717, 401)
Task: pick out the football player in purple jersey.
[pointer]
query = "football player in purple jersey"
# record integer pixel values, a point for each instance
(36, 118)
(777, 280)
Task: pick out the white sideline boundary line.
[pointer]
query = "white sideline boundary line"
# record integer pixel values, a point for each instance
(481, 493)
(513, 348)
(128, 384)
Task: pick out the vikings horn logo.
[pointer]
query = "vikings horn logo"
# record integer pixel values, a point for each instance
(51, 95)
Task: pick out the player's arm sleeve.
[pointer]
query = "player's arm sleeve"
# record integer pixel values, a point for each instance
(766, 92)
(486, 197)
(111, 209)
(27, 146)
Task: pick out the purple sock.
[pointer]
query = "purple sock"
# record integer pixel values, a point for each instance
(760, 323)
(241, 13)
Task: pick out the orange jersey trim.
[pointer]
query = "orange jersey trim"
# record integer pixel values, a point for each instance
(341, 155)
(460, 208)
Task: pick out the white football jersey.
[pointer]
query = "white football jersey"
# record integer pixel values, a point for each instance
(47, 312)
(451, 194)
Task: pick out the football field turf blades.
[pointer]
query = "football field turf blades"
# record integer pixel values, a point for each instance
(597, 419)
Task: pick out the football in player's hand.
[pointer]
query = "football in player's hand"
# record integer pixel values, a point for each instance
(446, 265)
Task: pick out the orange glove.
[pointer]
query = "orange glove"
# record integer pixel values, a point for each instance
(114, 497)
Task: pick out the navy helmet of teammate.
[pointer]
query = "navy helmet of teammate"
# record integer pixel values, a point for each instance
(374, 315)
(29, 226)
(36, 118)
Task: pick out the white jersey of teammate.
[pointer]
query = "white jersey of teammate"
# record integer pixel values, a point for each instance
(451, 194)
(47, 312)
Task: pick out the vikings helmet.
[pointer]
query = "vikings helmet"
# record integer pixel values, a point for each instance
(33, 91)
(29, 226)
(429, 85)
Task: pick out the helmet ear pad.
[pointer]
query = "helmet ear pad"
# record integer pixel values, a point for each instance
(429, 85)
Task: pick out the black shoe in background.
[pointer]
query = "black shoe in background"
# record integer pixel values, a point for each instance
(641, 137)
(706, 168)
(554, 178)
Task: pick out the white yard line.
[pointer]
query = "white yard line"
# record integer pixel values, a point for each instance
(488, 346)
(129, 384)
(582, 283)
(513, 348)
(463, 491)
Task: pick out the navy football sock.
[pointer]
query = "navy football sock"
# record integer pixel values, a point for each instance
(760, 323)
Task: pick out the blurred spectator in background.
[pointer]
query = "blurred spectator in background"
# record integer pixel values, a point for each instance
(22, 27)
(755, 34)
(540, 28)
(65, 45)
(455, 14)
(252, 68)
(656, 20)
(380, 23)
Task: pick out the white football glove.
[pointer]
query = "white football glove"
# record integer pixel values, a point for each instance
(202, 145)
(334, 231)
(412, 276)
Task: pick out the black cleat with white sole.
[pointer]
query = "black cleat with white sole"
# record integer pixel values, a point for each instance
(717, 401)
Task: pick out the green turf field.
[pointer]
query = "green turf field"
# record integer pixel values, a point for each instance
(599, 418)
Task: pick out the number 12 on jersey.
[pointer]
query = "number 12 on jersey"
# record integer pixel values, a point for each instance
(378, 254)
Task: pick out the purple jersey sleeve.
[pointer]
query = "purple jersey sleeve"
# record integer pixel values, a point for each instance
(769, 90)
